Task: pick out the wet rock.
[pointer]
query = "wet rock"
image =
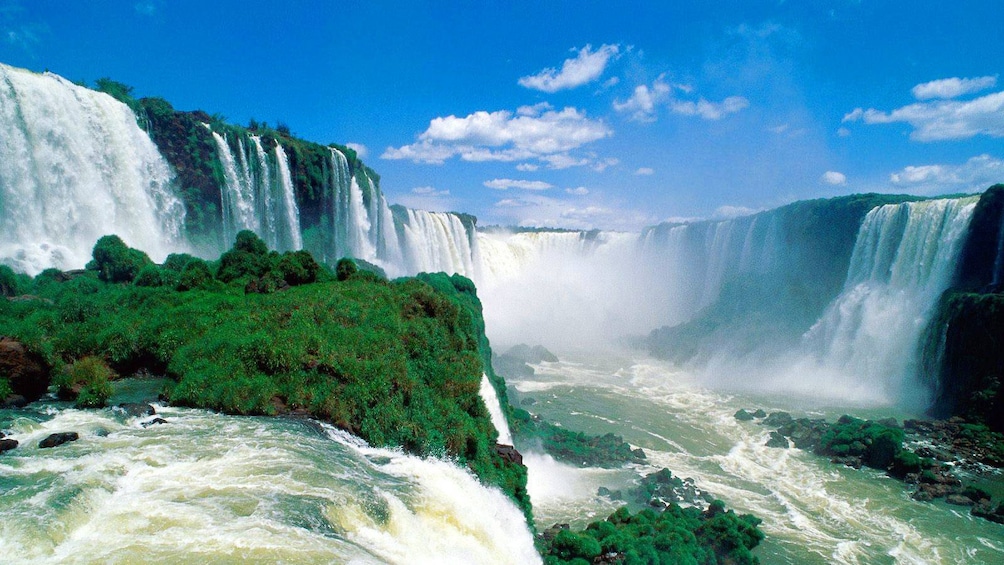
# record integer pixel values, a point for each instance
(509, 453)
(154, 422)
(7, 444)
(743, 416)
(528, 401)
(534, 355)
(137, 410)
(777, 419)
(777, 440)
(13, 401)
(27, 372)
(611, 494)
(58, 439)
(985, 509)
(959, 500)
(888, 422)
(553, 531)
(759, 413)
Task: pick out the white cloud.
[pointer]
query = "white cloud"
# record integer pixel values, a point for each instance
(586, 67)
(975, 174)
(711, 110)
(952, 87)
(586, 213)
(642, 104)
(506, 184)
(943, 119)
(602, 164)
(429, 191)
(578, 191)
(833, 177)
(645, 171)
(359, 148)
(645, 101)
(844, 132)
(779, 129)
(527, 167)
(564, 161)
(534, 132)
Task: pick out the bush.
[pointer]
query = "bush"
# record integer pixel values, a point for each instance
(298, 267)
(247, 258)
(87, 380)
(149, 276)
(115, 261)
(5, 388)
(345, 268)
(195, 275)
(10, 284)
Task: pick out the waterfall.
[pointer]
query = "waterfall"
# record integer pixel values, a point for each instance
(236, 193)
(74, 166)
(266, 209)
(295, 240)
(902, 261)
(491, 401)
(437, 241)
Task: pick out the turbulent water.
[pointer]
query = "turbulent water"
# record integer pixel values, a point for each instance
(814, 512)
(209, 488)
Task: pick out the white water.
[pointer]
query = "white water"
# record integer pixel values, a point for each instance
(212, 488)
(75, 166)
(436, 241)
(288, 199)
(903, 260)
(491, 400)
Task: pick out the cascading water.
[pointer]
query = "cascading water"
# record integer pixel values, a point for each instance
(491, 401)
(436, 241)
(258, 192)
(75, 166)
(903, 260)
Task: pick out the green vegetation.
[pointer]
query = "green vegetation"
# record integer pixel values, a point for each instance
(576, 448)
(87, 381)
(397, 363)
(877, 445)
(674, 536)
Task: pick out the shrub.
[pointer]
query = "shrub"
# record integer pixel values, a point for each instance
(117, 262)
(149, 275)
(87, 380)
(9, 283)
(195, 275)
(345, 268)
(298, 267)
(247, 258)
(5, 388)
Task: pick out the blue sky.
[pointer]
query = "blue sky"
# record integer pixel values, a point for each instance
(573, 114)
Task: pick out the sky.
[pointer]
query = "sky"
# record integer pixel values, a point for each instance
(611, 115)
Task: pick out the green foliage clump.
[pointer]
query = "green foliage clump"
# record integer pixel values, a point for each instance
(298, 267)
(86, 380)
(5, 388)
(576, 448)
(674, 536)
(876, 444)
(196, 274)
(11, 283)
(117, 262)
(149, 275)
(247, 258)
(345, 268)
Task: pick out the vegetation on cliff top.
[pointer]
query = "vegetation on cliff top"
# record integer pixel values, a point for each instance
(397, 363)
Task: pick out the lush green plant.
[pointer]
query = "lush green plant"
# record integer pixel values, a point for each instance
(10, 282)
(117, 262)
(345, 268)
(5, 388)
(149, 275)
(572, 447)
(876, 444)
(86, 380)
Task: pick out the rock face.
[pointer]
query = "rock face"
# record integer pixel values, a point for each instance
(509, 453)
(7, 444)
(137, 410)
(58, 439)
(27, 372)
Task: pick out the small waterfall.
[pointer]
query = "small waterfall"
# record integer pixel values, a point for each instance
(258, 192)
(902, 261)
(74, 166)
(491, 401)
(438, 241)
(295, 240)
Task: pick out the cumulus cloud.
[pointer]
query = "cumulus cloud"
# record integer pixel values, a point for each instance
(711, 110)
(600, 165)
(506, 184)
(975, 174)
(585, 67)
(952, 87)
(527, 167)
(429, 191)
(531, 133)
(645, 171)
(844, 132)
(359, 148)
(644, 103)
(834, 178)
(578, 191)
(942, 119)
(583, 213)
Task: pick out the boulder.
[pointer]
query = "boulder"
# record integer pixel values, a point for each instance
(154, 422)
(777, 419)
(13, 401)
(743, 416)
(777, 440)
(509, 453)
(58, 439)
(959, 500)
(137, 410)
(759, 413)
(27, 372)
(7, 444)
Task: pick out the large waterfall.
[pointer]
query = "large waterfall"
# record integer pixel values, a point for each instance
(904, 258)
(74, 166)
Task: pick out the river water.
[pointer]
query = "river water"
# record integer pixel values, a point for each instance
(813, 511)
